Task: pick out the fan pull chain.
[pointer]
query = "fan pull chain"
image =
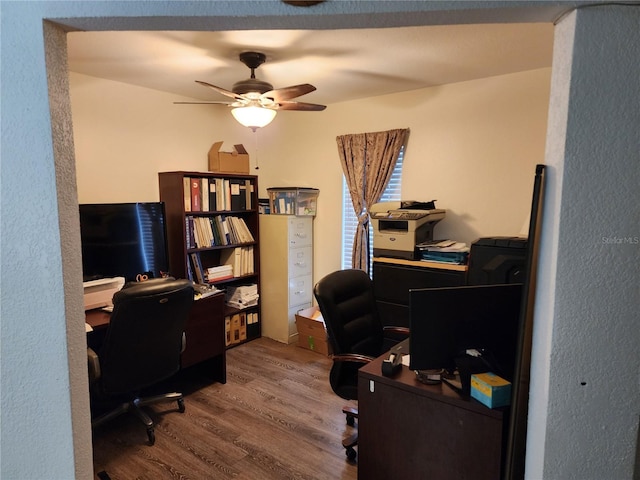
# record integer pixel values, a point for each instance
(255, 138)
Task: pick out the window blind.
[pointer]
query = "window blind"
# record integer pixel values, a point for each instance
(350, 222)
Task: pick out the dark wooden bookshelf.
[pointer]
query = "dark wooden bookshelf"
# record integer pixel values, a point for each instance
(173, 192)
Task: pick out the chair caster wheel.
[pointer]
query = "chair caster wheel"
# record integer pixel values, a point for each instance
(151, 434)
(181, 405)
(351, 453)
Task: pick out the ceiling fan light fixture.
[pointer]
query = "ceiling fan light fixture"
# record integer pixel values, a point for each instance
(253, 117)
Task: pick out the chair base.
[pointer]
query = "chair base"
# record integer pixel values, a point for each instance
(135, 407)
(352, 440)
(351, 413)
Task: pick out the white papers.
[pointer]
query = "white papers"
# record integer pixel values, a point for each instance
(443, 246)
(242, 296)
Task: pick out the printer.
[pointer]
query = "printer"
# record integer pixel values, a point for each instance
(399, 226)
(99, 293)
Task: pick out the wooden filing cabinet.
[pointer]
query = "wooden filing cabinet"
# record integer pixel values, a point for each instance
(286, 273)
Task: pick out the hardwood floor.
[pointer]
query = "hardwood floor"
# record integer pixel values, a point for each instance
(275, 418)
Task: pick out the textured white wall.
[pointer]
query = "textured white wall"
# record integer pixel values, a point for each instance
(585, 401)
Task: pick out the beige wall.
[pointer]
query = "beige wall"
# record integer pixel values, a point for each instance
(473, 147)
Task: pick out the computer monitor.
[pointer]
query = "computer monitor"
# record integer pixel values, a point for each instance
(123, 240)
(445, 322)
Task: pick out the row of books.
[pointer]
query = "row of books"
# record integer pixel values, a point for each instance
(217, 230)
(236, 326)
(234, 262)
(217, 194)
(240, 259)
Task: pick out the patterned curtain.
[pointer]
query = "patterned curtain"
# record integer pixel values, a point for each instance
(368, 160)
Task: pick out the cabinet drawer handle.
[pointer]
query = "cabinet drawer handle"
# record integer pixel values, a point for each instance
(299, 292)
(301, 264)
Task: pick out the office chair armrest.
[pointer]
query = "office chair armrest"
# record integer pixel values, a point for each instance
(400, 330)
(94, 365)
(352, 357)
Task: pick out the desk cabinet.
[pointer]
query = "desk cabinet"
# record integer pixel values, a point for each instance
(205, 336)
(415, 431)
(392, 279)
(286, 273)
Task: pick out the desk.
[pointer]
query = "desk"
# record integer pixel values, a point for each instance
(205, 335)
(410, 430)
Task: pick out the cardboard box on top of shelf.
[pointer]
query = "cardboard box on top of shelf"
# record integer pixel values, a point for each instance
(228, 162)
(312, 332)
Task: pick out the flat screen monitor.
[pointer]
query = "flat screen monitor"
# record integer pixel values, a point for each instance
(123, 240)
(445, 322)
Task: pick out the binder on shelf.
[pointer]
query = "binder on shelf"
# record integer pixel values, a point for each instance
(188, 232)
(212, 194)
(245, 193)
(238, 201)
(228, 257)
(219, 186)
(195, 195)
(227, 193)
(186, 189)
(214, 231)
(196, 266)
(252, 317)
(204, 193)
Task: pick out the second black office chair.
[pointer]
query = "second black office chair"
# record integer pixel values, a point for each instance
(142, 347)
(356, 334)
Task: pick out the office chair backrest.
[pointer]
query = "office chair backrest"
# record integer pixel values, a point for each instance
(348, 306)
(144, 339)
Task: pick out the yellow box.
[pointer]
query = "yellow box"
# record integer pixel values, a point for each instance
(228, 162)
(312, 333)
(235, 328)
(490, 389)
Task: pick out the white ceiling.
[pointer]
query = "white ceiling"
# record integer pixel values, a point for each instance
(342, 64)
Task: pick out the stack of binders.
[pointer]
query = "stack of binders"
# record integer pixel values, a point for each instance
(222, 272)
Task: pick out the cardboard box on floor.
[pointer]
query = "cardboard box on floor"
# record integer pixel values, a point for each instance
(312, 333)
(228, 162)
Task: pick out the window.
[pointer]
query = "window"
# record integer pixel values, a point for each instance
(349, 220)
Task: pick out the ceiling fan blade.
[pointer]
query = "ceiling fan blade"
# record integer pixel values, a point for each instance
(307, 107)
(202, 103)
(287, 93)
(220, 90)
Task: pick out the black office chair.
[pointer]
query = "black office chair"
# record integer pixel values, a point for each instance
(142, 347)
(356, 334)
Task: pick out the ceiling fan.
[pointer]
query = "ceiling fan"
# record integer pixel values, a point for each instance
(255, 101)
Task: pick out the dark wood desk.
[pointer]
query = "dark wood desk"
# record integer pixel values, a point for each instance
(413, 431)
(205, 335)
